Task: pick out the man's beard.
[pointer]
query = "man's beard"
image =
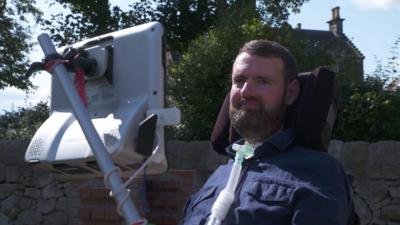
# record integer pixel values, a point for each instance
(256, 125)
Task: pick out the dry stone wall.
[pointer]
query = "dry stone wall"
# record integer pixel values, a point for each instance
(375, 169)
(30, 195)
(33, 196)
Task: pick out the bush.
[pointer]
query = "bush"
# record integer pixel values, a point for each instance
(23, 122)
(370, 113)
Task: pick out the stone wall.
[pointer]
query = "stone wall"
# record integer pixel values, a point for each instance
(32, 196)
(375, 169)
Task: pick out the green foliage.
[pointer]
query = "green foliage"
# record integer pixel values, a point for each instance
(276, 13)
(23, 122)
(83, 19)
(371, 111)
(15, 42)
(184, 19)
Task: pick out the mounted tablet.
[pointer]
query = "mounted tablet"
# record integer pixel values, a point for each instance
(126, 86)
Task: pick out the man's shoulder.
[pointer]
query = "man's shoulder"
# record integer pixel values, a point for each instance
(307, 155)
(308, 166)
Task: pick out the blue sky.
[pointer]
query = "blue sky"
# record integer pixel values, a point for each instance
(372, 25)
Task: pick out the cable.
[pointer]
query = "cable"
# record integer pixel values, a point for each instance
(136, 173)
(155, 151)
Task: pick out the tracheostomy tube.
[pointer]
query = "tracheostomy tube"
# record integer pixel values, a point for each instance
(225, 199)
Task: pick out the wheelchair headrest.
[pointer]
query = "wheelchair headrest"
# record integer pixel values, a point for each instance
(311, 116)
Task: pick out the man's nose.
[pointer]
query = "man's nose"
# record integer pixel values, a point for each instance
(247, 90)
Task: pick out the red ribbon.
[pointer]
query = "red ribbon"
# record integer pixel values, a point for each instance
(80, 85)
(79, 80)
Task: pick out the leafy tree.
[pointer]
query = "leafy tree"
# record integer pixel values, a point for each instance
(15, 42)
(184, 19)
(370, 111)
(82, 19)
(23, 122)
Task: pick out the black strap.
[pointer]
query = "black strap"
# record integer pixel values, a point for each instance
(74, 58)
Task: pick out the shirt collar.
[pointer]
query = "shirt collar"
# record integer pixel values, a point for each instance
(278, 142)
(281, 140)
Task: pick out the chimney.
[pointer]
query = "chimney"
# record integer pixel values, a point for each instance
(336, 23)
(299, 26)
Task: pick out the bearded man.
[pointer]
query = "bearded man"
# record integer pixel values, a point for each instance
(271, 181)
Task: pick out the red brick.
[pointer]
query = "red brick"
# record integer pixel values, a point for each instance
(84, 192)
(170, 185)
(98, 193)
(175, 196)
(163, 219)
(162, 203)
(111, 214)
(109, 223)
(186, 174)
(84, 213)
(97, 214)
(88, 222)
(162, 185)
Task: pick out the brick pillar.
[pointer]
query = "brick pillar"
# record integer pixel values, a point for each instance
(166, 196)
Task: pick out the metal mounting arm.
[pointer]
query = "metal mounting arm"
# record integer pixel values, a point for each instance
(114, 181)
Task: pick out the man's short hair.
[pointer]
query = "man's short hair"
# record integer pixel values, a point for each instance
(267, 48)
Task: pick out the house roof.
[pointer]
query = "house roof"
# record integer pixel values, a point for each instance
(326, 40)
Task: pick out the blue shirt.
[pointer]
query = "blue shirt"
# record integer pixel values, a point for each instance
(281, 184)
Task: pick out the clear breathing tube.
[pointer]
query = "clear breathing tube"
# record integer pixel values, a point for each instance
(225, 199)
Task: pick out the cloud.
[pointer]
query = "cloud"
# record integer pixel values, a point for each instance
(377, 4)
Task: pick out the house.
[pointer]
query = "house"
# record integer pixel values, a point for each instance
(347, 59)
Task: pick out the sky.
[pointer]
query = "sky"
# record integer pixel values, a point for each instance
(372, 25)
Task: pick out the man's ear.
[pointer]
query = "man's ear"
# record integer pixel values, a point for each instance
(292, 91)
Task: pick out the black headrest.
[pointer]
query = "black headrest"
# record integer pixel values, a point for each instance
(311, 116)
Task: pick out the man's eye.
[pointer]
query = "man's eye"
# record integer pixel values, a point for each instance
(239, 81)
(263, 81)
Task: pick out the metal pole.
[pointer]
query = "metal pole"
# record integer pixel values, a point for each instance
(128, 209)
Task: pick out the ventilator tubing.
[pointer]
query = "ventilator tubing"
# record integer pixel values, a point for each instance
(224, 201)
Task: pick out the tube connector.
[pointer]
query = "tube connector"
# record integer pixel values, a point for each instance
(225, 199)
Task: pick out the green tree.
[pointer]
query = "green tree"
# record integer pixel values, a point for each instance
(23, 122)
(184, 19)
(15, 43)
(82, 19)
(370, 111)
